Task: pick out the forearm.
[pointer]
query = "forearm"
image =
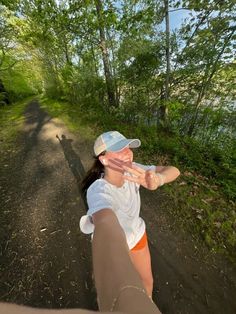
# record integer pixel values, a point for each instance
(168, 173)
(111, 261)
(119, 287)
(9, 308)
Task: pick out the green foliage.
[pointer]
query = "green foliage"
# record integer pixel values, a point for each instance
(212, 163)
(21, 82)
(19, 70)
(11, 120)
(83, 86)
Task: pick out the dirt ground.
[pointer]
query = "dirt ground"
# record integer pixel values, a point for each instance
(45, 261)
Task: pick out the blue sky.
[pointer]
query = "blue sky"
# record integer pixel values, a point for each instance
(177, 17)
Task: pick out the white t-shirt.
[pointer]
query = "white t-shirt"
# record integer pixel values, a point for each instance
(124, 201)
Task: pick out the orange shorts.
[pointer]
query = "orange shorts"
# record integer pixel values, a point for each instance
(141, 243)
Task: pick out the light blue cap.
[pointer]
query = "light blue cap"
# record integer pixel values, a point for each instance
(113, 141)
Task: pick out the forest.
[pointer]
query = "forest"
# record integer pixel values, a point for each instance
(123, 64)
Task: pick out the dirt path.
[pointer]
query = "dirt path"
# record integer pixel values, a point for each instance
(46, 261)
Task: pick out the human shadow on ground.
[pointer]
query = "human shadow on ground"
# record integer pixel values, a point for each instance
(72, 158)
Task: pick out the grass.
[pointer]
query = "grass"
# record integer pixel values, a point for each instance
(11, 121)
(69, 114)
(201, 208)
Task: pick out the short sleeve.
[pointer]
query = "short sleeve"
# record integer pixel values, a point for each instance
(145, 167)
(98, 197)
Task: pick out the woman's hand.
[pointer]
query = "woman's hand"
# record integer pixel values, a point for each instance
(147, 178)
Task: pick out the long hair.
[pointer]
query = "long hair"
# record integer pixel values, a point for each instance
(92, 175)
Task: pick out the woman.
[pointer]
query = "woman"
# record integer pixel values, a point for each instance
(113, 183)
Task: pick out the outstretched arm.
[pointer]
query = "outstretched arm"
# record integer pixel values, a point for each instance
(118, 284)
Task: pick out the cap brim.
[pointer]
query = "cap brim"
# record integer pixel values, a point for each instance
(86, 225)
(132, 143)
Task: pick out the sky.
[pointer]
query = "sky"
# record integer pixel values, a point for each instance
(177, 17)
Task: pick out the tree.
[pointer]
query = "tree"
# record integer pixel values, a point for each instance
(209, 37)
(105, 55)
(164, 108)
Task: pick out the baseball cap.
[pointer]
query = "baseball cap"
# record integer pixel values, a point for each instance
(113, 141)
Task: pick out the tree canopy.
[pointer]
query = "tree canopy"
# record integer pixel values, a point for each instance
(123, 57)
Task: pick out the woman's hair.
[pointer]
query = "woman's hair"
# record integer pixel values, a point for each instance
(92, 175)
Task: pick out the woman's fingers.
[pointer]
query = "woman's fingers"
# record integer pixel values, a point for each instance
(137, 171)
(132, 179)
(140, 170)
(150, 174)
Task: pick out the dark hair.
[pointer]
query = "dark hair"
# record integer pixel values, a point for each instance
(92, 175)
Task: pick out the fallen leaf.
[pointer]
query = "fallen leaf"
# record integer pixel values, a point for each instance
(217, 224)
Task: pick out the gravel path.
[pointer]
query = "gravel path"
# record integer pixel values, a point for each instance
(45, 261)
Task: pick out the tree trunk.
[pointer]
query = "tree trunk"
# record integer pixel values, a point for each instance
(105, 56)
(163, 108)
(4, 99)
(209, 74)
(113, 71)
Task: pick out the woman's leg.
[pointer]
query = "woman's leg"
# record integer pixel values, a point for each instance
(142, 262)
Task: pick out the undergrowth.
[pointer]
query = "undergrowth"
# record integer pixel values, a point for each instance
(11, 121)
